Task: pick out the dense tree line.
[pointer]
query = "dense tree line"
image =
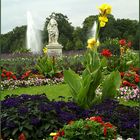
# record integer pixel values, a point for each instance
(74, 38)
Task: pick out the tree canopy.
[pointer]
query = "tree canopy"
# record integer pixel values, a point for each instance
(74, 38)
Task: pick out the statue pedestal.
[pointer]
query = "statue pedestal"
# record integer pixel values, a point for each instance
(54, 49)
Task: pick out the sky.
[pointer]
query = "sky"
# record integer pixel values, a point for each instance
(14, 12)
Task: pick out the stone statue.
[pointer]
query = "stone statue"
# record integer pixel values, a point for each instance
(53, 31)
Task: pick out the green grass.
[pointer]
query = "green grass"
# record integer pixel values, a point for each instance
(129, 103)
(52, 92)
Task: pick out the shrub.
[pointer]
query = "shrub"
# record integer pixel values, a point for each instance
(92, 129)
(125, 118)
(111, 44)
(47, 66)
(34, 116)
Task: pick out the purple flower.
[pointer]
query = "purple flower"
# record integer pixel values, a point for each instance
(10, 124)
(66, 116)
(44, 107)
(10, 102)
(23, 110)
(35, 121)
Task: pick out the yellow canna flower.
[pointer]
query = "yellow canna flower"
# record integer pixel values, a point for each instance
(105, 9)
(45, 50)
(102, 24)
(91, 43)
(53, 134)
(103, 18)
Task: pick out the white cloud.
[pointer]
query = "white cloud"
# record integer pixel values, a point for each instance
(14, 11)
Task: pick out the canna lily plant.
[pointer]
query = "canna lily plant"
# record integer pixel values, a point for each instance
(83, 88)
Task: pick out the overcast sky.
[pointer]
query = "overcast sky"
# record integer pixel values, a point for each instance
(14, 12)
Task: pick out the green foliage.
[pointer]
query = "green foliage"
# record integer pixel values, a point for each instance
(74, 38)
(79, 38)
(72, 62)
(86, 129)
(83, 88)
(110, 85)
(47, 66)
(136, 44)
(112, 45)
(17, 65)
(130, 58)
(32, 115)
(14, 40)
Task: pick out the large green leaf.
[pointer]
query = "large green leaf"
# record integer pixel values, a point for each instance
(110, 85)
(82, 96)
(96, 80)
(74, 81)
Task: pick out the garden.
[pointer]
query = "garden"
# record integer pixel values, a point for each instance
(92, 95)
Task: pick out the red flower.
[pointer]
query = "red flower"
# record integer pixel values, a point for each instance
(129, 44)
(8, 78)
(105, 131)
(62, 133)
(97, 119)
(122, 74)
(122, 42)
(26, 74)
(2, 75)
(14, 77)
(108, 125)
(106, 53)
(22, 137)
(126, 83)
(137, 79)
(57, 136)
(8, 74)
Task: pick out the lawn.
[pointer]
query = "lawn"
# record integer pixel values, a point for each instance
(52, 92)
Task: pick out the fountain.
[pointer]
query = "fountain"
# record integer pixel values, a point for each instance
(33, 36)
(93, 31)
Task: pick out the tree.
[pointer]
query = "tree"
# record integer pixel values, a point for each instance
(136, 43)
(14, 40)
(78, 38)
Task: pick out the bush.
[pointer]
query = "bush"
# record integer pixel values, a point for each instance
(125, 118)
(47, 66)
(111, 44)
(34, 116)
(92, 129)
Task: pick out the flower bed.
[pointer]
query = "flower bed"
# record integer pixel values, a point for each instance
(37, 117)
(13, 84)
